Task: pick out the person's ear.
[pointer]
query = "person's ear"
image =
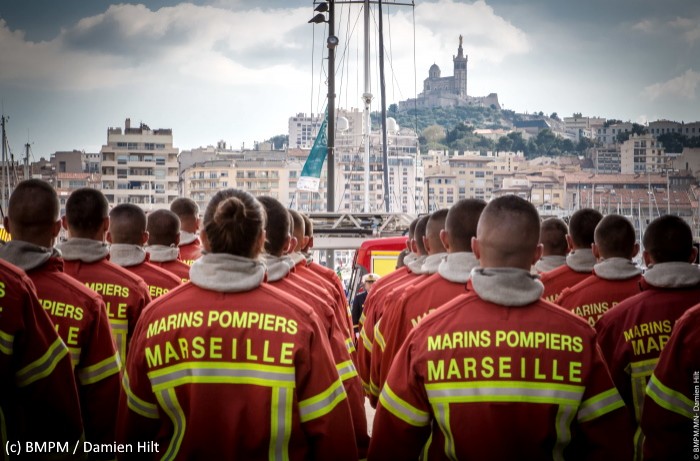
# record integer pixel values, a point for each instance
(293, 242)
(570, 242)
(261, 242)
(646, 257)
(144, 237)
(205, 241)
(287, 243)
(426, 244)
(109, 237)
(635, 250)
(475, 248)
(445, 239)
(693, 254)
(538, 253)
(596, 251)
(177, 240)
(56, 228)
(64, 222)
(414, 246)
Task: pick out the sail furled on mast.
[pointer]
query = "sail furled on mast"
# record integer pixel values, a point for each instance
(310, 178)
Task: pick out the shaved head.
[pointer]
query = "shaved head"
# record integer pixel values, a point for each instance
(615, 237)
(461, 223)
(86, 210)
(508, 234)
(553, 237)
(188, 211)
(436, 223)
(420, 232)
(298, 222)
(163, 228)
(32, 213)
(582, 227)
(669, 239)
(277, 226)
(127, 224)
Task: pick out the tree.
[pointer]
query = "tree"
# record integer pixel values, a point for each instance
(434, 134)
(279, 141)
(672, 142)
(554, 116)
(519, 144)
(504, 144)
(393, 108)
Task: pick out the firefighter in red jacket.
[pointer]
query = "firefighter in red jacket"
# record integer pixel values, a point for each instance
(163, 227)
(228, 367)
(501, 359)
(670, 415)
(633, 333)
(86, 258)
(443, 286)
(127, 236)
(555, 247)
(38, 397)
(190, 246)
(278, 269)
(615, 277)
(580, 261)
(77, 312)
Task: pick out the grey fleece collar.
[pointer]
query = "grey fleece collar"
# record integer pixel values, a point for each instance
(162, 253)
(432, 263)
(673, 275)
(581, 260)
(506, 286)
(297, 258)
(616, 269)
(548, 263)
(227, 273)
(126, 255)
(457, 267)
(416, 265)
(409, 258)
(25, 255)
(187, 237)
(85, 250)
(277, 267)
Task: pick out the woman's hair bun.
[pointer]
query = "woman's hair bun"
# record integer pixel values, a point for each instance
(229, 211)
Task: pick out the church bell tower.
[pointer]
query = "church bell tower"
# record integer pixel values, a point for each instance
(460, 71)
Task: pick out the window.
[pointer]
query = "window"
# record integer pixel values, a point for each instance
(160, 160)
(122, 159)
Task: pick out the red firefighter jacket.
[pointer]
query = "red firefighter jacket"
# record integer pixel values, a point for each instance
(226, 367)
(633, 333)
(135, 259)
(166, 258)
(670, 415)
(334, 279)
(478, 366)
(38, 396)
(579, 265)
(613, 281)
(125, 294)
(190, 248)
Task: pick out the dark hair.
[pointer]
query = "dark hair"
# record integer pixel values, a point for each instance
(461, 223)
(668, 238)
(277, 227)
(127, 223)
(86, 209)
(420, 232)
(615, 237)
(582, 227)
(184, 206)
(33, 208)
(163, 227)
(553, 236)
(233, 222)
(412, 228)
(308, 226)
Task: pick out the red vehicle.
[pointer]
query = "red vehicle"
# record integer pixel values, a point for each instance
(375, 255)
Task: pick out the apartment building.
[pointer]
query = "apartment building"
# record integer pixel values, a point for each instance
(642, 154)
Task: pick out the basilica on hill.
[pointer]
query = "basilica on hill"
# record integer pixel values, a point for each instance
(448, 91)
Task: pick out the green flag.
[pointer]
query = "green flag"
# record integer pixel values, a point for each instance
(310, 177)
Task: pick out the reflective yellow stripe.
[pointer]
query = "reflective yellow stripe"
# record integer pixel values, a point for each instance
(362, 319)
(74, 356)
(323, 403)
(402, 409)
(120, 331)
(222, 372)
(639, 373)
(350, 345)
(346, 370)
(442, 415)
(373, 388)
(669, 399)
(378, 337)
(280, 423)
(504, 391)
(7, 342)
(599, 405)
(99, 371)
(143, 408)
(365, 386)
(565, 416)
(168, 401)
(44, 365)
(365, 340)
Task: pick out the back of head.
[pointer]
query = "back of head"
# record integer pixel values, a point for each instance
(277, 227)
(508, 233)
(86, 210)
(412, 228)
(127, 224)
(461, 223)
(163, 228)
(553, 237)
(299, 227)
(436, 223)
(615, 237)
(668, 239)
(308, 226)
(421, 228)
(33, 210)
(234, 222)
(582, 227)
(188, 211)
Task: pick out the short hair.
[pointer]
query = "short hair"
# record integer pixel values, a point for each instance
(277, 227)
(553, 237)
(615, 237)
(421, 228)
(233, 222)
(86, 209)
(668, 239)
(127, 223)
(435, 224)
(163, 227)
(582, 227)
(298, 221)
(184, 206)
(412, 228)
(509, 231)
(461, 223)
(33, 207)
(308, 225)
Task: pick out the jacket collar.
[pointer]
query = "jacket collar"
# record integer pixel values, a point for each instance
(432, 263)
(187, 237)
(127, 255)
(456, 267)
(277, 267)
(581, 260)
(227, 273)
(162, 253)
(506, 286)
(297, 258)
(416, 265)
(616, 269)
(27, 256)
(548, 263)
(409, 258)
(85, 250)
(672, 275)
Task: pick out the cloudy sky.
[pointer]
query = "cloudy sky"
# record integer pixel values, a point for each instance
(238, 69)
